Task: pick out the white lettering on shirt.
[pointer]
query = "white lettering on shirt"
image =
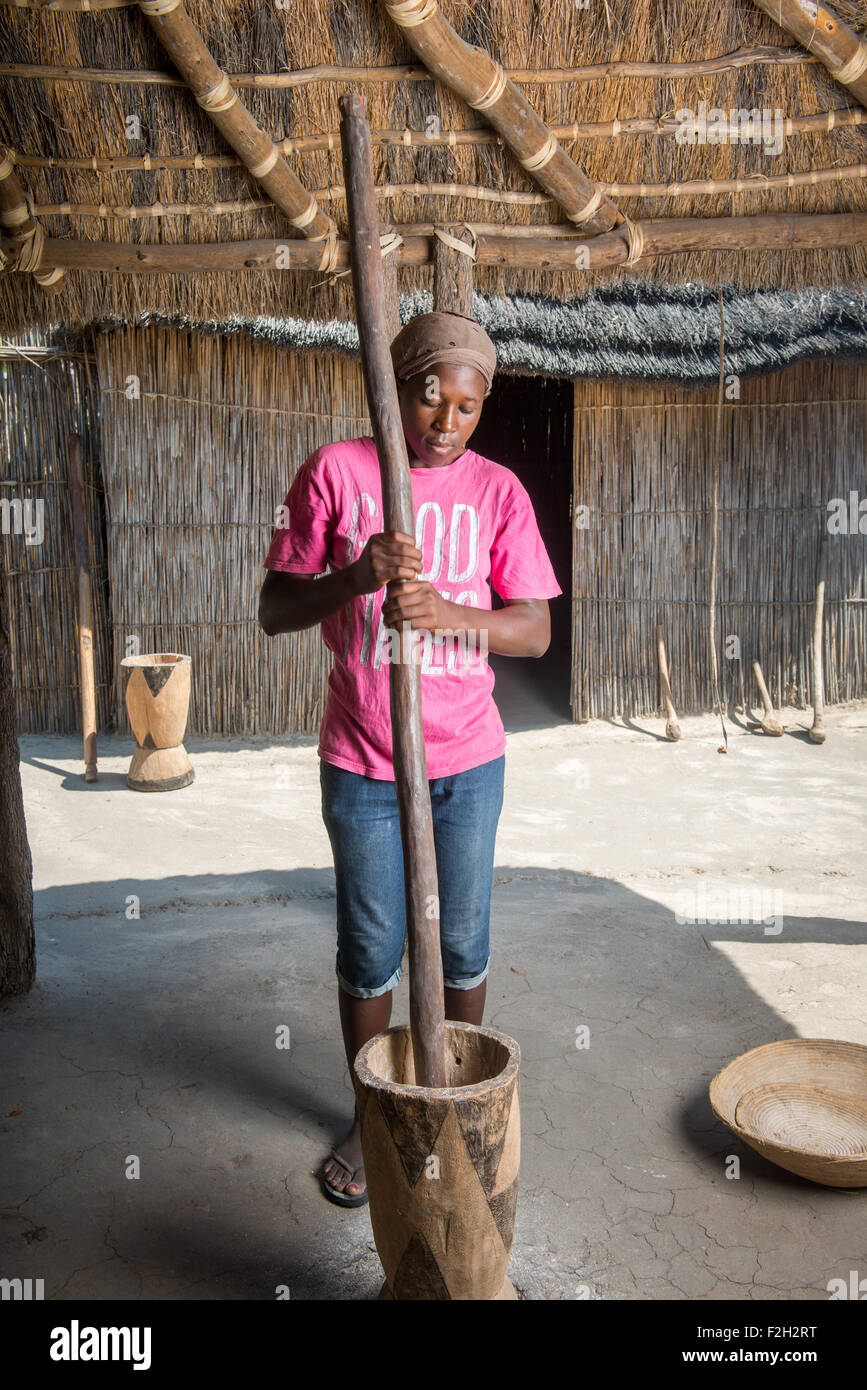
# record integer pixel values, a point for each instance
(462, 530)
(433, 574)
(461, 510)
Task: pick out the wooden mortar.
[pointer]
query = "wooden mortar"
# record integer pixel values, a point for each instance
(442, 1163)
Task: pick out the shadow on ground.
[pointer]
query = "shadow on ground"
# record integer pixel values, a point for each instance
(157, 1038)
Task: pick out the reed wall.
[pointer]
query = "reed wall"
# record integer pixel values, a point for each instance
(42, 401)
(195, 465)
(195, 441)
(644, 457)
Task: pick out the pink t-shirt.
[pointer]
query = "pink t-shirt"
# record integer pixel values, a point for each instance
(475, 527)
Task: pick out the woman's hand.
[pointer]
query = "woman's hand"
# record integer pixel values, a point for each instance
(387, 555)
(419, 604)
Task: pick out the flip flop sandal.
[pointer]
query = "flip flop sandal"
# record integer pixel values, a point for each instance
(340, 1198)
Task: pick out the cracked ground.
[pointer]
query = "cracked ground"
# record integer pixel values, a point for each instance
(156, 1142)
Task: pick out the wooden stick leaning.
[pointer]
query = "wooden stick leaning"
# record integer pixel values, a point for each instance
(672, 728)
(85, 613)
(770, 723)
(817, 732)
(427, 1011)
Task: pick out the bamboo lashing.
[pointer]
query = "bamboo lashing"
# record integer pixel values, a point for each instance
(474, 75)
(427, 1011)
(820, 30)
(85, 613)
(217, 97)
(24, 249)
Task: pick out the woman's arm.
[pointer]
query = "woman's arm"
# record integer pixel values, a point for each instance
(292, 602)
(521, 628)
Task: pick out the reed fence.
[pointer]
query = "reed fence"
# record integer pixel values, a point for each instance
(191, 443)
(791, 443)
(195, 466)
(45, 395)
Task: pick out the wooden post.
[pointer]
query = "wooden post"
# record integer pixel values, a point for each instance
(87, 682)
(17, 942)
(453, 273)
(427, 1011)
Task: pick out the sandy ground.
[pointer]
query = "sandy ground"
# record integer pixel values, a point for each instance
(153, 1037)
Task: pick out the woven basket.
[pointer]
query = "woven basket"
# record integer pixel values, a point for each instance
(801, 1103)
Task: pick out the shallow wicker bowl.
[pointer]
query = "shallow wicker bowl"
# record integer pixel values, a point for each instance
(801, 1103)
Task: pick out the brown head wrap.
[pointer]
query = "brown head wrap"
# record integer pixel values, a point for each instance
(431, 338)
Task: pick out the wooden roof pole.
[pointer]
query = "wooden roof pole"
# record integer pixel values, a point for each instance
(665, 237)
(216, 96)
(820, 30)
(477, 77)
(28, 239)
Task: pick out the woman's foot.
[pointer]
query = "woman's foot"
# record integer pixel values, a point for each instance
(343, 1177)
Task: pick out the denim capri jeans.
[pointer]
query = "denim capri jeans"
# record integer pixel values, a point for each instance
(361, 817)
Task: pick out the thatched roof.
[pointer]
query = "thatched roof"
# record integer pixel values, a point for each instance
(44, 117)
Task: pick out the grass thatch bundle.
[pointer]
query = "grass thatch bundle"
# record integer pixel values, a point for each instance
(67, 118)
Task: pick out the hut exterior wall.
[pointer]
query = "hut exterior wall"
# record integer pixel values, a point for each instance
(44, 400)
(199, 438)
(202, 437)
(642, 530)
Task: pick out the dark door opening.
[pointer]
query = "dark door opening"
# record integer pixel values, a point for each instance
(527, 426)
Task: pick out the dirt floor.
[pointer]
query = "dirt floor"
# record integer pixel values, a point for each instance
(178, 933)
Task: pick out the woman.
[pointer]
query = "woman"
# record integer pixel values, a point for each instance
(475, 528)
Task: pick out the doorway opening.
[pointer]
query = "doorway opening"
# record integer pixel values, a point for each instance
(527, 425)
